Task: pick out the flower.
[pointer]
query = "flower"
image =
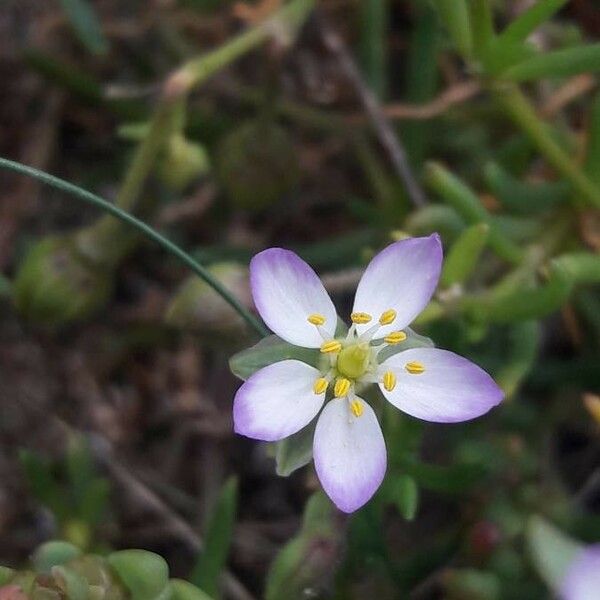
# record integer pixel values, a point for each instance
(582, 580)
(279, 400)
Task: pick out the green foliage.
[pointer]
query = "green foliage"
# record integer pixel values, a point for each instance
(217, 541)
(72, 490)
(86, 25)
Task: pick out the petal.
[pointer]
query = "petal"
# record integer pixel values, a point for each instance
(277, 401)
(349, 453)
(402, 277)
(450, 389)
(286, 292)
(582, 581)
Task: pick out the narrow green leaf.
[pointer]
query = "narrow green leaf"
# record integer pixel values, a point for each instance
(458, 195)
(523, 304)
(184, 590)
(592, 160)
(405, 493)
(308, 561)
(521, 356)
(521, 197)
(464, 254)
(86, 25)
(482, 26)
(453, 479)
(144, 574)
(455, 16)
(269, 350)
(211, 562)
(551, 551)
(560, 63)
(295, 451)
(529, 20)
(373, 20)
(581, 267)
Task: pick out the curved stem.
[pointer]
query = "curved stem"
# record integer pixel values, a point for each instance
(146, 230)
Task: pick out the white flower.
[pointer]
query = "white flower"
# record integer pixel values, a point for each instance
(427, 383)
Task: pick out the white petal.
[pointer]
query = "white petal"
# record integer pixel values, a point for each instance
(286, 292)
(401, 277)
(450, 389)
(349, 454)
(277, 401)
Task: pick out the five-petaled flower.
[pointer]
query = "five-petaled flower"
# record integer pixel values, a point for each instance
(427, 383)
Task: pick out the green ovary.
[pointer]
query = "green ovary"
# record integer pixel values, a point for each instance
(353, 361)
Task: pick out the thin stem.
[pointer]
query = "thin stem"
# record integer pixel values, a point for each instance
(146, 230)
(522, 113)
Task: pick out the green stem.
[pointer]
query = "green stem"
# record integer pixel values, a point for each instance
(165, 120)
(141, 227)
(522, 113)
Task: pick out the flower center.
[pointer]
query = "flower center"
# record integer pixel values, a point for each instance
(353, 361)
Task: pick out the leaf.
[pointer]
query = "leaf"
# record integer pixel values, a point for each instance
(219, 532)
(184, 590)
(295, 451)
(86, 25)
(559, 63)
(144, 574)
(404, 492)
(269, 350)
(453, 479)
(551, 551)
(308, 561)
(529, 20)
(455, 16)
(464, 254)
(458, 195)
(522, 197)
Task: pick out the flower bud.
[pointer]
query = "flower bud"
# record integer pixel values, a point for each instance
(257, 165)
(182, 162)
(55, 284)
(198, 307)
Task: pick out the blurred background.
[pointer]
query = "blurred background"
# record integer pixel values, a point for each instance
(331, 129)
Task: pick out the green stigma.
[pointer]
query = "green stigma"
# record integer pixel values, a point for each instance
(353, 361)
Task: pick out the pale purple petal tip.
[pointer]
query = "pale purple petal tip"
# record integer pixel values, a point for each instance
(277, 401)
(582, 581)
(450, 389)
(402, 277)
(286, 291)
(350, 454)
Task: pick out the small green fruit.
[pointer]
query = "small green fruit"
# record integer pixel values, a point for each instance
(55, 284)
(182, 162)
(257, 165)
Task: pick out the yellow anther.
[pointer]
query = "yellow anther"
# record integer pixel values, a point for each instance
(320, 385)
(414, 367)
(342, 387)
(389, 381)
(356, 407)
(395, 337)
(331, 347)
(360, 318)
(316, 319)
(387, 317)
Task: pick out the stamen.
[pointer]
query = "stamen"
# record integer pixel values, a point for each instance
(395, 337)
(341, 388)
(414, 367)
(360, 318)
(320, 385)
(387, 317)
(316, 319)
(356, 407)
(331, 346)
(389, 381)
